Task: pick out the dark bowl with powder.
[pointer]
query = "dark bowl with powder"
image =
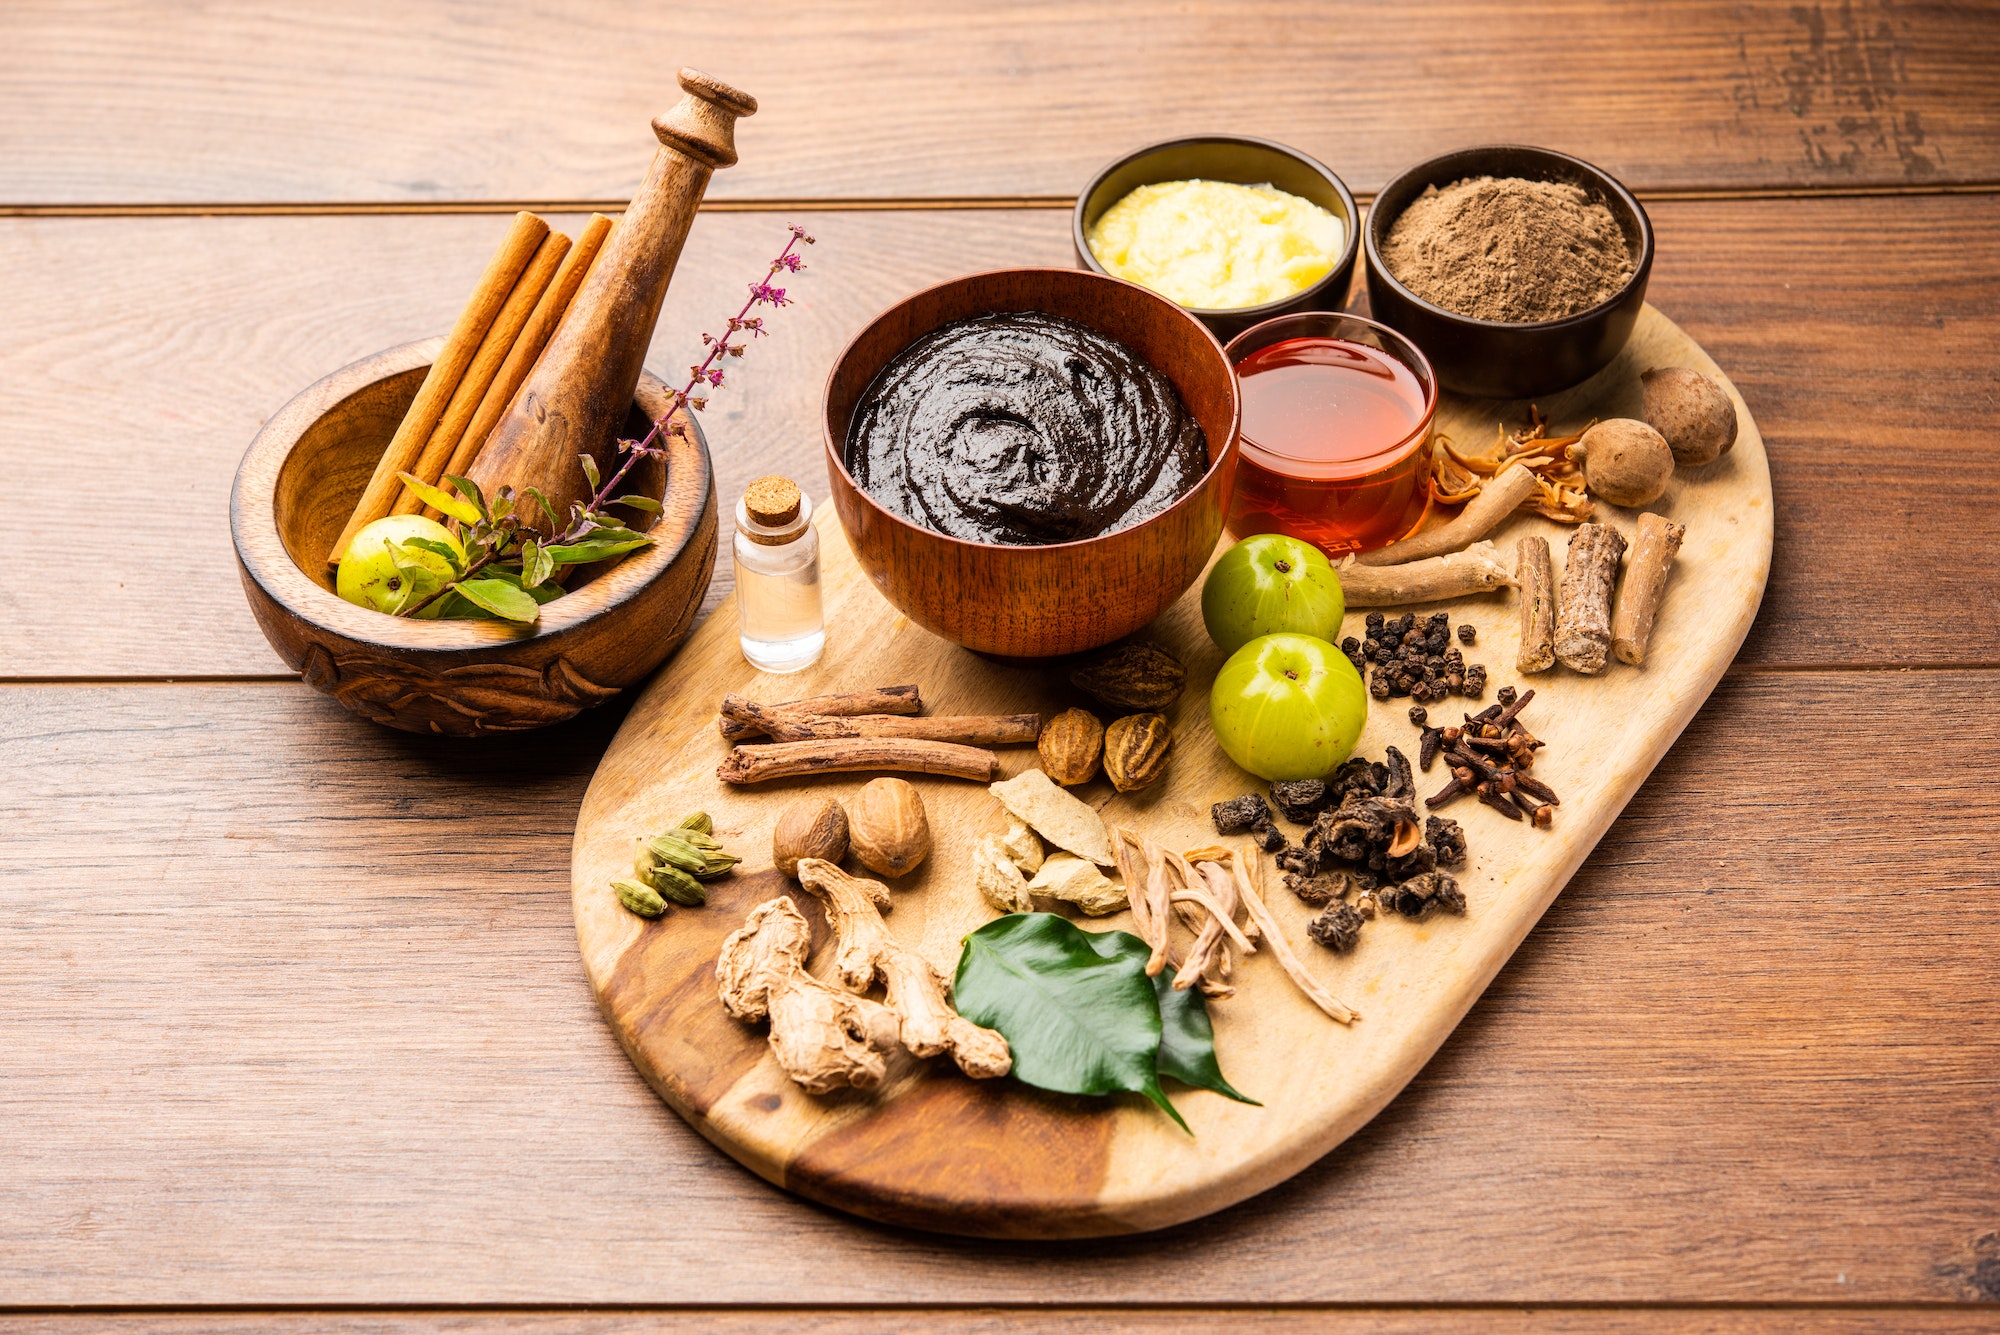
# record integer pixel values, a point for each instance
(1519, 271)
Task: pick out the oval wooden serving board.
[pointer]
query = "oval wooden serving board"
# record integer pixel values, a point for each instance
(935, 1150)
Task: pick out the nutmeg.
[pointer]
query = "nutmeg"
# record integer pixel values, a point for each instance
(1132, 676)
(1135, 751)
(887, 827)
(812, 827)
(1070, 746)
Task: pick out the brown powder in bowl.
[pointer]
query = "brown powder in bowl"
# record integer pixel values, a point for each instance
(1501, 248)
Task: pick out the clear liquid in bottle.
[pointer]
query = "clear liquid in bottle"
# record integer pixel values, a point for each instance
(783, 626)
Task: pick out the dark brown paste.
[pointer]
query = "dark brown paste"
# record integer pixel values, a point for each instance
(1023, 429)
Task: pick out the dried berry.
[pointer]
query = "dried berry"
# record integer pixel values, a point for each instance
(1338, 929)
(1467, 633)
(1446, 839)
(1322, 888)
(1419, 896)
(1239, 814)
(1300, 799)
(1132, 676)
(1070, 746)
(1135, 751)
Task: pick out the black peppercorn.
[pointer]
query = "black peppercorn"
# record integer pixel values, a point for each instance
(1467, 632)
(1421, 717)
(1505, 695)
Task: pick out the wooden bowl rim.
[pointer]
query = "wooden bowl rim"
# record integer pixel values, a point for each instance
(253, 502)
(1343, 266)
(834, 451)
(1435, 170)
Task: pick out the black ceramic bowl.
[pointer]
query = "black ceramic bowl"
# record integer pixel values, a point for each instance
(1489, 358)
(1245, 161)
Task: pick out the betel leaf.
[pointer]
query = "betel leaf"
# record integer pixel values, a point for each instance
(1187, 1039)
(500, 598)
(442, 501)
(1076, 1008)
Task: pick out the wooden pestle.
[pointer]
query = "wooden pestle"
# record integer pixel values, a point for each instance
(576, 398)
(523, 239)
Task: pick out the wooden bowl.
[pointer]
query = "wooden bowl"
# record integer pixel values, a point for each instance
(298, 483)
(1492, 359)
(1246, 161)
(1023, 602)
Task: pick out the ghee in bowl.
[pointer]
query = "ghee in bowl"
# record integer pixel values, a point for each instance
(1216, 245)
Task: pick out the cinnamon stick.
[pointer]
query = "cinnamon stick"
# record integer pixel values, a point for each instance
(534, 337)
(967, 729)
(781, 760)
(739, 715)
(432, 464)
(523, 239)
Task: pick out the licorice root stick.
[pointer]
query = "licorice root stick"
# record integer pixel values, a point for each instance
(523, 239)
(533, 338)
(432, 464)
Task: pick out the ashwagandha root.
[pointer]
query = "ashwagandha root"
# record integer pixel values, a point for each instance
(1538, 605)
(1583, 612)
(1477, 569)
(1644, 585)
(1482, 514)
(739, 717)
(782, 760)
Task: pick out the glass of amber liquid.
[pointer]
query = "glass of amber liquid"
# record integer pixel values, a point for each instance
(1337, 414)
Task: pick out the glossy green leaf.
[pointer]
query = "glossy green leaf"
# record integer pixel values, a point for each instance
(501, 598)
(1076, 1008)
(436, 548)
(536, 495)
(442, 501)
(646, 503)
(470, 490)
(1187, 1039)
(590, 470)
(594, 549)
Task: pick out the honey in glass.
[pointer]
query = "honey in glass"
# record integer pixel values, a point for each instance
(1337, 414)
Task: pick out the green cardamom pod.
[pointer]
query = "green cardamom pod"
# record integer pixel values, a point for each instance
(719, 864)
(644, 860)
(706, 842)
(678, 886)
(699, 823)
(640, 899)
(678, 853)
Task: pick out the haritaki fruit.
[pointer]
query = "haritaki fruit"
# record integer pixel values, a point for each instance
(1135, 751)
(1070, 746)
(1132, 676)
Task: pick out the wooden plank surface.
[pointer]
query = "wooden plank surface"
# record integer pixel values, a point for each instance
(1859, 331)
(291, 1013)
(116, 101)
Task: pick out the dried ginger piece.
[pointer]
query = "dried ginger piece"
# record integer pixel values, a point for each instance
(864, 950)
(1064, 820)
(825, 1039)
(1076, 880)
(1023, 845)
(998, 877)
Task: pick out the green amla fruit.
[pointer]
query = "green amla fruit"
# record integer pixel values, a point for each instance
(698, 862)
(677, 886)
(699, 823)
(640, 899)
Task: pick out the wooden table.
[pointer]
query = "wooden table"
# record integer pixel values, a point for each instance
(293, 1032)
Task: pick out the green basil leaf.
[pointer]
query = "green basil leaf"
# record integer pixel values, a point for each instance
(1187, 1039)
(535, 494)
(436, 548)
(541, 593)
(536, 564)
(582, 553)
(441, 501)
(501, 599)
(646, 503)
(590, 470)
(1076, 1007)
(470, 490)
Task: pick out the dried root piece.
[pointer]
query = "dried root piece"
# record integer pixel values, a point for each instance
(1482, 514)
(1207, 963)
(965, 729)
(739, 721)
(1537, 574)
(1583, 615)
(1261, 915)
(1143, 866)
(823, 1038)
(864, 950)
(1645, 584)
(782, 760)
(1477, 569)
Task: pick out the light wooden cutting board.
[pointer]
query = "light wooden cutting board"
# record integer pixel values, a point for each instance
(935, 1150)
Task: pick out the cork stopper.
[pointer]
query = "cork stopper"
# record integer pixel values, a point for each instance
(772, 501)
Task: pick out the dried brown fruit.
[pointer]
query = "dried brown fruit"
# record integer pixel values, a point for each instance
(812, 827)
(1132, 676)
(887, 827)
(1071, 745)
(1135, 751)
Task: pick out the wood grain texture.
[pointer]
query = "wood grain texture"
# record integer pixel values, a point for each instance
(290, 1012)
(1360, 1320)
(1858, 330)
(515, 102)
(996, 1159)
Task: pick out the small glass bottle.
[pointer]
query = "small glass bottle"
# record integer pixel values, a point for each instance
(777, 577)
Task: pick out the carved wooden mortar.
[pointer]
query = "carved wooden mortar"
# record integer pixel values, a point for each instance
(299, 481)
